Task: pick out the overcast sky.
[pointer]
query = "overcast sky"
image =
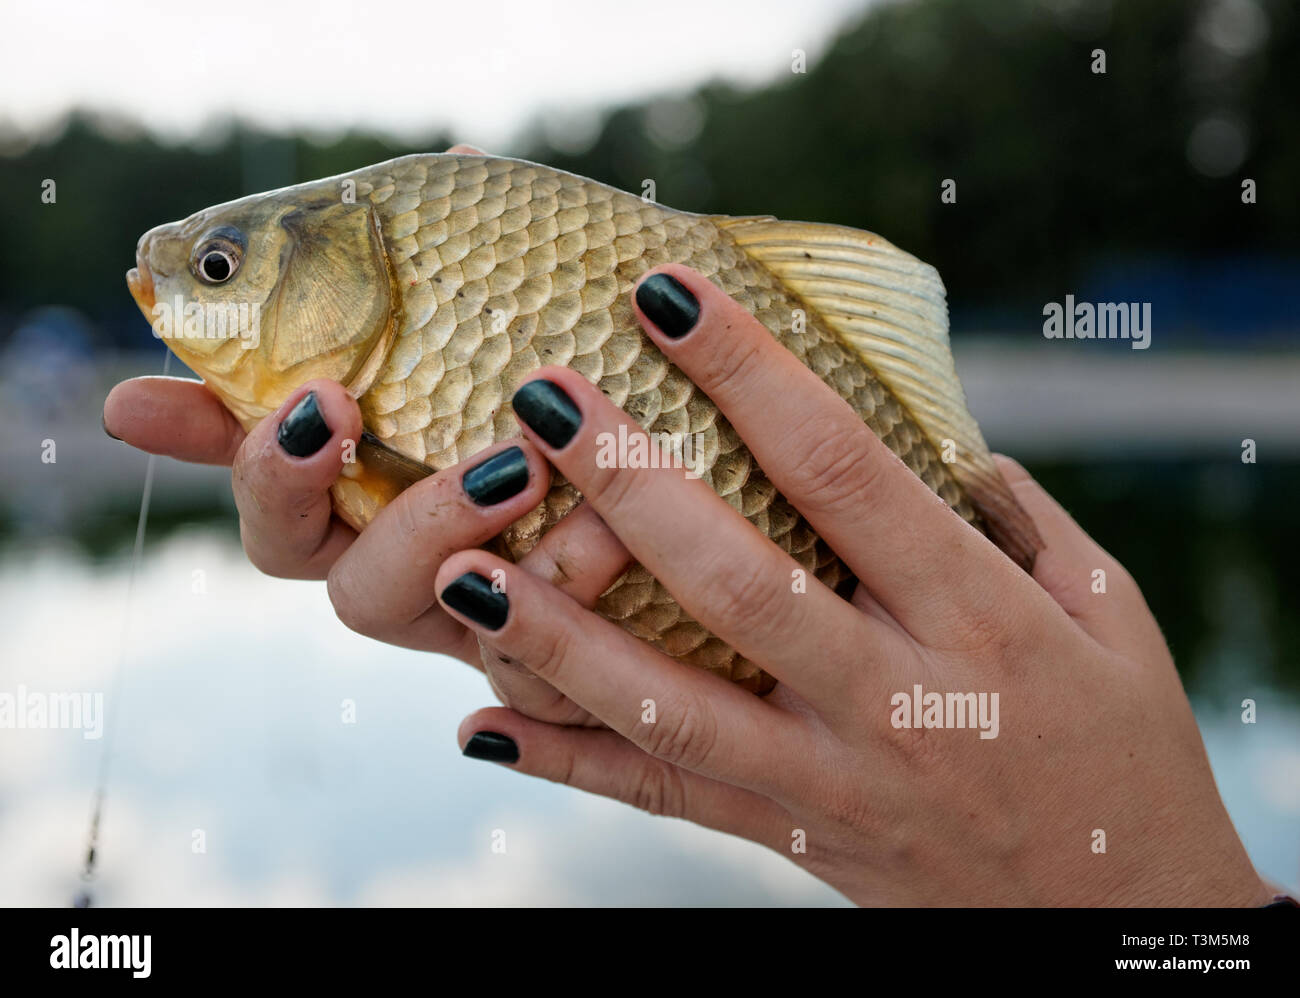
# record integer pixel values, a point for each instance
(483, 68)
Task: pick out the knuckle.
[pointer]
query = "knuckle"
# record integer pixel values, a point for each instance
(727, 368)
(749, 598)
(405, 518)
(549, 654)
(659, 789)
(684, 735)
(988, 635)
(265, 497)
(916, 750)
(520, 690)
(991, 625)
(837, 473)
(425, 512)
(984, 633)
(845, 808)
(567, 770)
(610, 488)
(250, 471)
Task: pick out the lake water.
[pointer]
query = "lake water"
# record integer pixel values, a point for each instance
(232, 736)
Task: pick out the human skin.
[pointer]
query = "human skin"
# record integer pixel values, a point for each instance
(1095, 729)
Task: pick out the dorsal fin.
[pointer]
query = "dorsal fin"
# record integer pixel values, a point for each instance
(889, 308)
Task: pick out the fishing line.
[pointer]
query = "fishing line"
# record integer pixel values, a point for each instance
(84, 899)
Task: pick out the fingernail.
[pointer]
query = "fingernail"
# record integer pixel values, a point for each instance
(472, 595)
(666, 302)
(498, 478)
(303, 431)
(493, 747)
(103, 421)
(548, 412)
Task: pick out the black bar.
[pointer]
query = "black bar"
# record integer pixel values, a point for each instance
(332, 947)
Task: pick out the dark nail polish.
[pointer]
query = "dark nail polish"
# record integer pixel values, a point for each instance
(303, 431)
(548, 412)
(472, 595)
(498, 478)
(493, 747)
(103, 421)
(666, 302)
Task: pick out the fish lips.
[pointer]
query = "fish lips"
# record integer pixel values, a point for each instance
(139, 279)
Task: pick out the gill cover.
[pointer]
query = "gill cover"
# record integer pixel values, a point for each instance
(331, 314)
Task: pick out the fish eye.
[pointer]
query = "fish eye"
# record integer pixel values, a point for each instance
(216, 266)
(217, 258)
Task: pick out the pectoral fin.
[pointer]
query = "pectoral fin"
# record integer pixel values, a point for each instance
(375, 478)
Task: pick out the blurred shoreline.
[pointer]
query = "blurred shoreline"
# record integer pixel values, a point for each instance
(1048, 402)
(1064, 400)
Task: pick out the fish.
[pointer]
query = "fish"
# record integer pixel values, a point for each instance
(432, 285)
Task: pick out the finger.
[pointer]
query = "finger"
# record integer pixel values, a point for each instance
(382, 586)
(282, 475)
(1088, 583)
(173, 417)
(582, 558)
(924, 564)
(679, 714)
(606, 763)
(466, 150)
(718, 567)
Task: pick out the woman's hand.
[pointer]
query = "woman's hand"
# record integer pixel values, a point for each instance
(1086, 783)
(381, 581)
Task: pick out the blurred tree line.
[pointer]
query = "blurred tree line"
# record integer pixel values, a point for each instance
(1057, 168)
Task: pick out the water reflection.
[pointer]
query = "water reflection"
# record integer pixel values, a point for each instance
(240, 778)
(233, 731)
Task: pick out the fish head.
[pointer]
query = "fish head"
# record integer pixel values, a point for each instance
(262, 294)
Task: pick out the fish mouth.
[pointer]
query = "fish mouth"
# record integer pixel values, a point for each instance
(140, 280)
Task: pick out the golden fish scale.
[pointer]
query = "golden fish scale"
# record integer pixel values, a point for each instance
(504, 267)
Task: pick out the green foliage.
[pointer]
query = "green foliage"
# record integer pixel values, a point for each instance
(1055, 166)
(112, 189)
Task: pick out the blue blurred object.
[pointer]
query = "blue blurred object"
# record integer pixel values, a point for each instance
(47, 366)
(1225, 299)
